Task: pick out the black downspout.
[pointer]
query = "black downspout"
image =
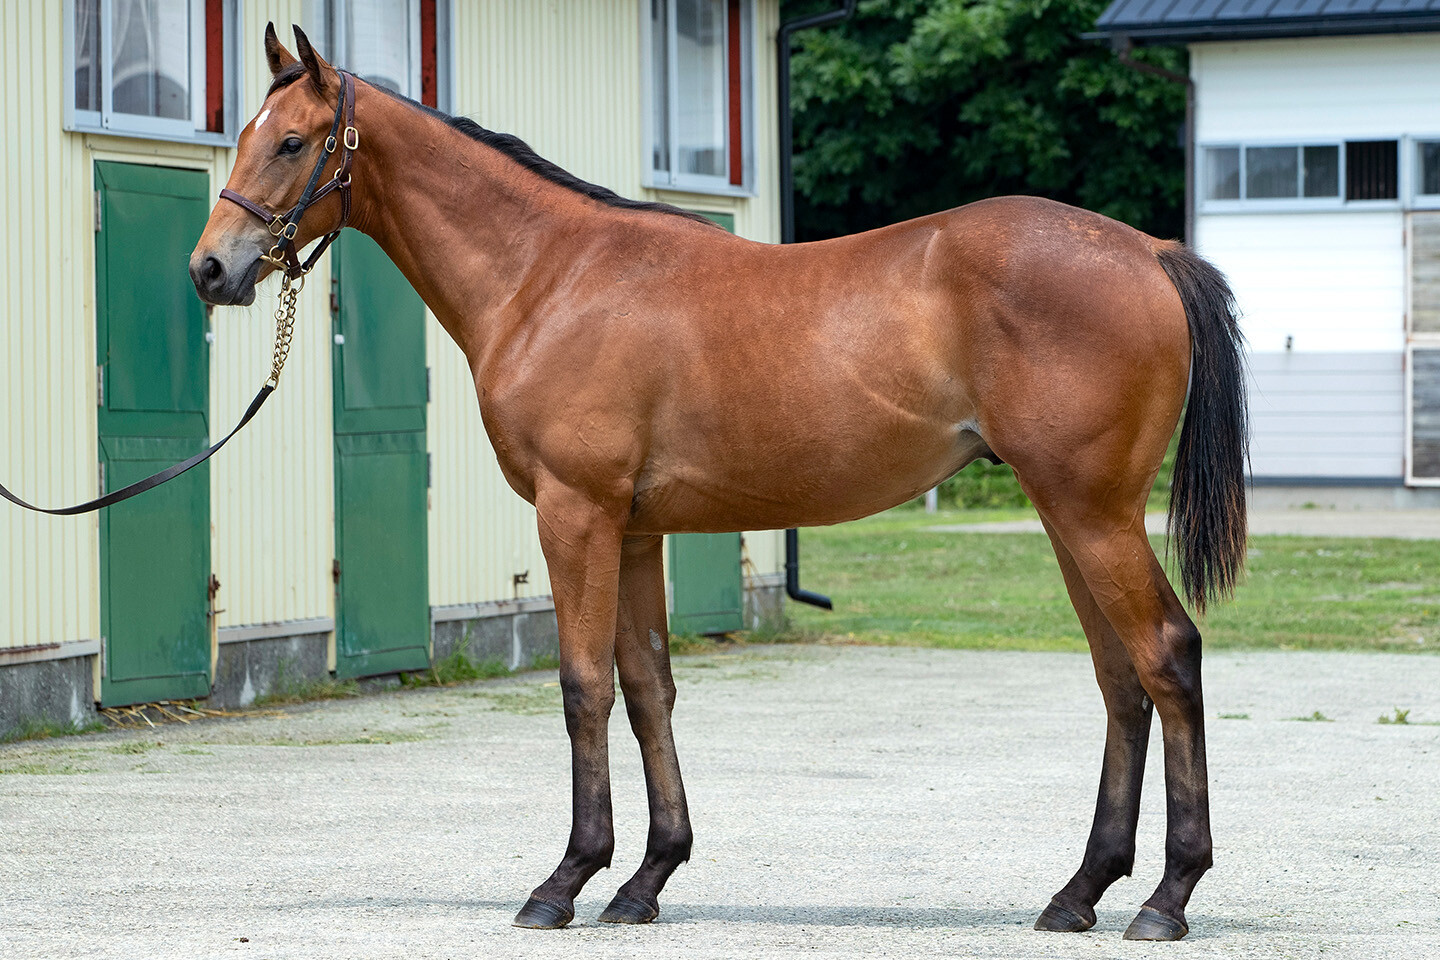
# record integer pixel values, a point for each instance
(787, 235)
(1123, 46)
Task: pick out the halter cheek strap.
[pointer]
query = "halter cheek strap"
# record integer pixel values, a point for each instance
(284, 226)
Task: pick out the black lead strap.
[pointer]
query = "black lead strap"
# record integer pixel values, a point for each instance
(139, 487)
(283, 256)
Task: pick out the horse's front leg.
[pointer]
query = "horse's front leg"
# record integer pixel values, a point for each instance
(642, 652)
(581, 540)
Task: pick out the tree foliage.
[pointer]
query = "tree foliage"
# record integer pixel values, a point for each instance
(914, 106)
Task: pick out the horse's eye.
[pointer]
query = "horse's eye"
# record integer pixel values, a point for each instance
(291, 145)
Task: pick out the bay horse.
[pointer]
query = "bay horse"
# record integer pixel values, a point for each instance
(641, 371)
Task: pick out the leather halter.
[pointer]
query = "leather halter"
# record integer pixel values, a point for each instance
(284, 226)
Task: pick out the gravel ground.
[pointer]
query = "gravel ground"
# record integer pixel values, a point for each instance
(847, 802)
(1400, 524)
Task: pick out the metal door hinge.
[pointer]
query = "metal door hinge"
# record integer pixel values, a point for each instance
(97, 210)
(102, 478)
(335, 296)
(100, 385)
(335, 572)
(427, 384)
(429, 471)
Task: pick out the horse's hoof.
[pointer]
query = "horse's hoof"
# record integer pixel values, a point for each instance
(1058, 919)
(1151, 924)
(626, 910)
(543, 915)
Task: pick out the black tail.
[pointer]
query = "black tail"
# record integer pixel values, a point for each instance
(1207, 492)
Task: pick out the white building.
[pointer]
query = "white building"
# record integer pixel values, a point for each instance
(1316, 139)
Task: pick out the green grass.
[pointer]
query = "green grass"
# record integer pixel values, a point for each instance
(323, 688)
(893, 582)
(457, 668)
(45, 730)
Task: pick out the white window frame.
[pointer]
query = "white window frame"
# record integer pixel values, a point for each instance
(106, 120)
(1412, 175)
(1403, 173)
(696, 183)
(325, 15)
(1277, 204)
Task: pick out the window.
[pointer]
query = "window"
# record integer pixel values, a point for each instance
(152, 68)
(1372, 170)
(698, 94)
(1368, 170)
(1427, 165)
(401, 45)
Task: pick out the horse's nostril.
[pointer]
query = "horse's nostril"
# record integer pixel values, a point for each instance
(213, 270)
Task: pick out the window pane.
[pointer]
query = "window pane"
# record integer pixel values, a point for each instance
(1222, 173)
(659, 85)
(1430, 168)
(87, 54)
(377, 44)
(1372, 170)
(150, 40)
(1271, 172)
(700, 63)
(1322, 171)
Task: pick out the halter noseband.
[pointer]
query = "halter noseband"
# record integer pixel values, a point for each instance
(284, 226)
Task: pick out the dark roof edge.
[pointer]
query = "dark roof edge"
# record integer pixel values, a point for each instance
(1267, 29)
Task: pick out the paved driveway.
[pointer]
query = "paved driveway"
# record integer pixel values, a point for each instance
(847, 802)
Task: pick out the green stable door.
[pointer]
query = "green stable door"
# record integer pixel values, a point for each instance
(154, 383)
(707, 585)
(382, 606)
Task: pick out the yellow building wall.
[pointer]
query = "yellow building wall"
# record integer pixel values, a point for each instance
(563, 74)
(271, 488)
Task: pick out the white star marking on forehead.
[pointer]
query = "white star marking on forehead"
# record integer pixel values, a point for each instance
(264, 115)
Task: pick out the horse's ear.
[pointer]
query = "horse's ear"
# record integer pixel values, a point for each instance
(321, 73)
(277, 55)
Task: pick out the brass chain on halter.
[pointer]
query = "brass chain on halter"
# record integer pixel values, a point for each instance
(284, 325)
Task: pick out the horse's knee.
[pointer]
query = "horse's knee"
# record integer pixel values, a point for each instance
(588, 701)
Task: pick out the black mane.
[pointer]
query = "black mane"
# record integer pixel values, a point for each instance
(517, 150)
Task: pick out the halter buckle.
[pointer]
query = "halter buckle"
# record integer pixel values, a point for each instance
(277, 226)
(329, 144)
(343, 183)
(352, 138)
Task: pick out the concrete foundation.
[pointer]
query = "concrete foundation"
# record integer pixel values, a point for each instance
(257, 661)
(1293, 496)
(517, 633)
(765, 602)
(56, 692)
(256, 666)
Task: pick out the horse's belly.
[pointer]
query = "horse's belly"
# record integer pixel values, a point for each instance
(815, 477)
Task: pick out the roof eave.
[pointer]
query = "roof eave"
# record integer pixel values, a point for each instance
(1267, 29)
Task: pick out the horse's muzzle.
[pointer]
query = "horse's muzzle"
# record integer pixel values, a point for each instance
(217, 283)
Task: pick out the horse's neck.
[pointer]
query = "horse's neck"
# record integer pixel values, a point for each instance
(465, 224)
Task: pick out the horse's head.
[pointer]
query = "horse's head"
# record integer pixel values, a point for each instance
(276, 155)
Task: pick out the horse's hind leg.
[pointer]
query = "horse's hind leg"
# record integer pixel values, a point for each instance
(1110, 852)
(1115, 560)
(642, 651)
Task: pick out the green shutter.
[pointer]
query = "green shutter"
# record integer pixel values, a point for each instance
(382, 595)
(155, 381)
